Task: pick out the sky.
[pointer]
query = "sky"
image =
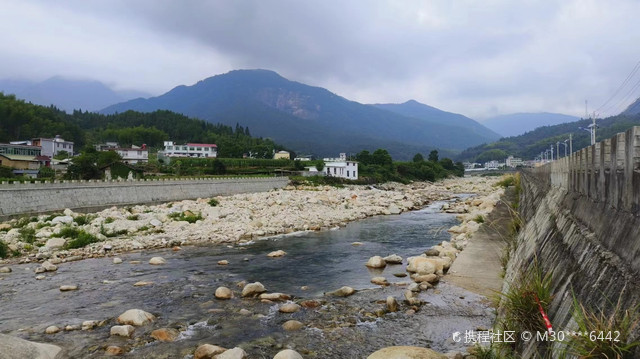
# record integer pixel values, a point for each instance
(479, 58)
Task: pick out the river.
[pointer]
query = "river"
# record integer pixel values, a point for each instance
(181, 295)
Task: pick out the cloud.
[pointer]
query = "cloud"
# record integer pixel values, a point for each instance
(474, 57)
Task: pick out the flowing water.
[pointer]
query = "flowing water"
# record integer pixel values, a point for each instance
(181, 295)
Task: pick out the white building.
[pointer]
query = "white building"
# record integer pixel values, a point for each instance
(514, 161)
(341, 167)
(52, 146)
(189, 150)
(133, 155)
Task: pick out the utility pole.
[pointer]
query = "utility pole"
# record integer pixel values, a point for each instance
(551, 152)
(570, 143)
(558, 150)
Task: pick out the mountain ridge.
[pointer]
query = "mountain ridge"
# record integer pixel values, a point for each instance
(515, 124)
(313, 119)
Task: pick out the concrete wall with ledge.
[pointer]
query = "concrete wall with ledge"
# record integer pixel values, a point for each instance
(18, 199)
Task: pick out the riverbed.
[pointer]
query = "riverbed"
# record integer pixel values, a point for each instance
(181, 295)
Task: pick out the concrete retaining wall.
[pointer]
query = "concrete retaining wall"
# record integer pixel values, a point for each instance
(582, 225)
(32, 198)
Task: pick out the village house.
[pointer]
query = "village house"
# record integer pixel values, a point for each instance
(53, 146)
(23, 159)
(341, 167)
(281, 155)
(171, 149)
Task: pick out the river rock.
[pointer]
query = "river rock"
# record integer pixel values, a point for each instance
(235, 353)
(62, 219)
(406, 352)
(310, 303)
(157, 261)
(5, 270)
(357, 244)
(379, 281)
(114, 350)
(155, 222)
(393, 209)
(71, 327)
(393, 259)
(420, 265)
(430, 278)
(289, 308)
(223, 262)
(245, 312)
(292, 325)
(165, 334)
(414, 287)
(278, 253)
(288, 354)
(117, 260)
(40, 277)
(142, 283)
(343, 292)
(67, 288)
(20, 348)
(253, 289)
(432, 252)
(208, 351)
(392, 304)
(275, 296)
(122, 330)
(376, 262)
(5, 226)
(89, 324)
(54, 243)
(49, 267)
(400, 275)
(52, 329)
(223, 293)
(135, 317)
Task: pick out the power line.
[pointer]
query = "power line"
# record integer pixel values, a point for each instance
(608, 106)
(626, 80)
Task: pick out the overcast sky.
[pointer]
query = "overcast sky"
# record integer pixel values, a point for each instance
(478, 58)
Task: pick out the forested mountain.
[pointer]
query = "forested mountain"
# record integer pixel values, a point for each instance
(20, 120)
(305, 118)
(518, 123)
(466, 126)
(532, 143)
(633, 109)
(67, 94)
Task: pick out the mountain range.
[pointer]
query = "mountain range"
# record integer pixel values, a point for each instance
(67, 94)
(314, 120)
(519, 123)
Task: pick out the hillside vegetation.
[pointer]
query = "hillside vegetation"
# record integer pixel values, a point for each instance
(530, 144)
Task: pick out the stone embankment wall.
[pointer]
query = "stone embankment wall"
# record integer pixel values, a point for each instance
(582, 224)
(31, 198)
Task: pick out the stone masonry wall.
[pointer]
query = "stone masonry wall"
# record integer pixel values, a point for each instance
(32, 198)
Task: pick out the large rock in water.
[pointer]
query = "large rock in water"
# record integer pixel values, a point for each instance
(16, 348)
(235, 353)
(405, 352)
(253, 289)
(288, 354)
(376, 262)
(136, 317)
(208, 351)
(343, 292)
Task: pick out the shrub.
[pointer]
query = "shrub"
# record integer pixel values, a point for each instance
(83, 239)
(109, 220)
(4, 249)
(479, 219)
(506, 182)
(521, 312)
(143, 228)
(213, 202)
(110, 234)
(133, 217)
(24, 221)
(601, 344)
(27, 235)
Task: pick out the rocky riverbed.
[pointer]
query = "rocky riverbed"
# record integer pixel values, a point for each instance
(204, 294)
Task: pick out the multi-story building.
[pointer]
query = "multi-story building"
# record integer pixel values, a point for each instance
(53, 146)
(171, 149)
(133, 155)
(514, 161)
(341, 167)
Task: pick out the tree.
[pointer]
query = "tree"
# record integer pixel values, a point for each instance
(418, 158)
(61, 155)
(433, 156)
(320, 165)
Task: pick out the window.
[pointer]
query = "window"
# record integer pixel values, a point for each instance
(347, 173)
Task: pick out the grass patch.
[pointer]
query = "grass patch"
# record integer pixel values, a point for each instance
(67, 232)
(42, 225)
(109, 220)
(133, 217)
(27, 235)
(143, 228)
(83, 220)
(479, 219)
(83, 239)
(320, 181)
(521, 312)
(185, 216)
(213, 202)
(507, 181)
(24, 221)
(110, 234)
(601, 344)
